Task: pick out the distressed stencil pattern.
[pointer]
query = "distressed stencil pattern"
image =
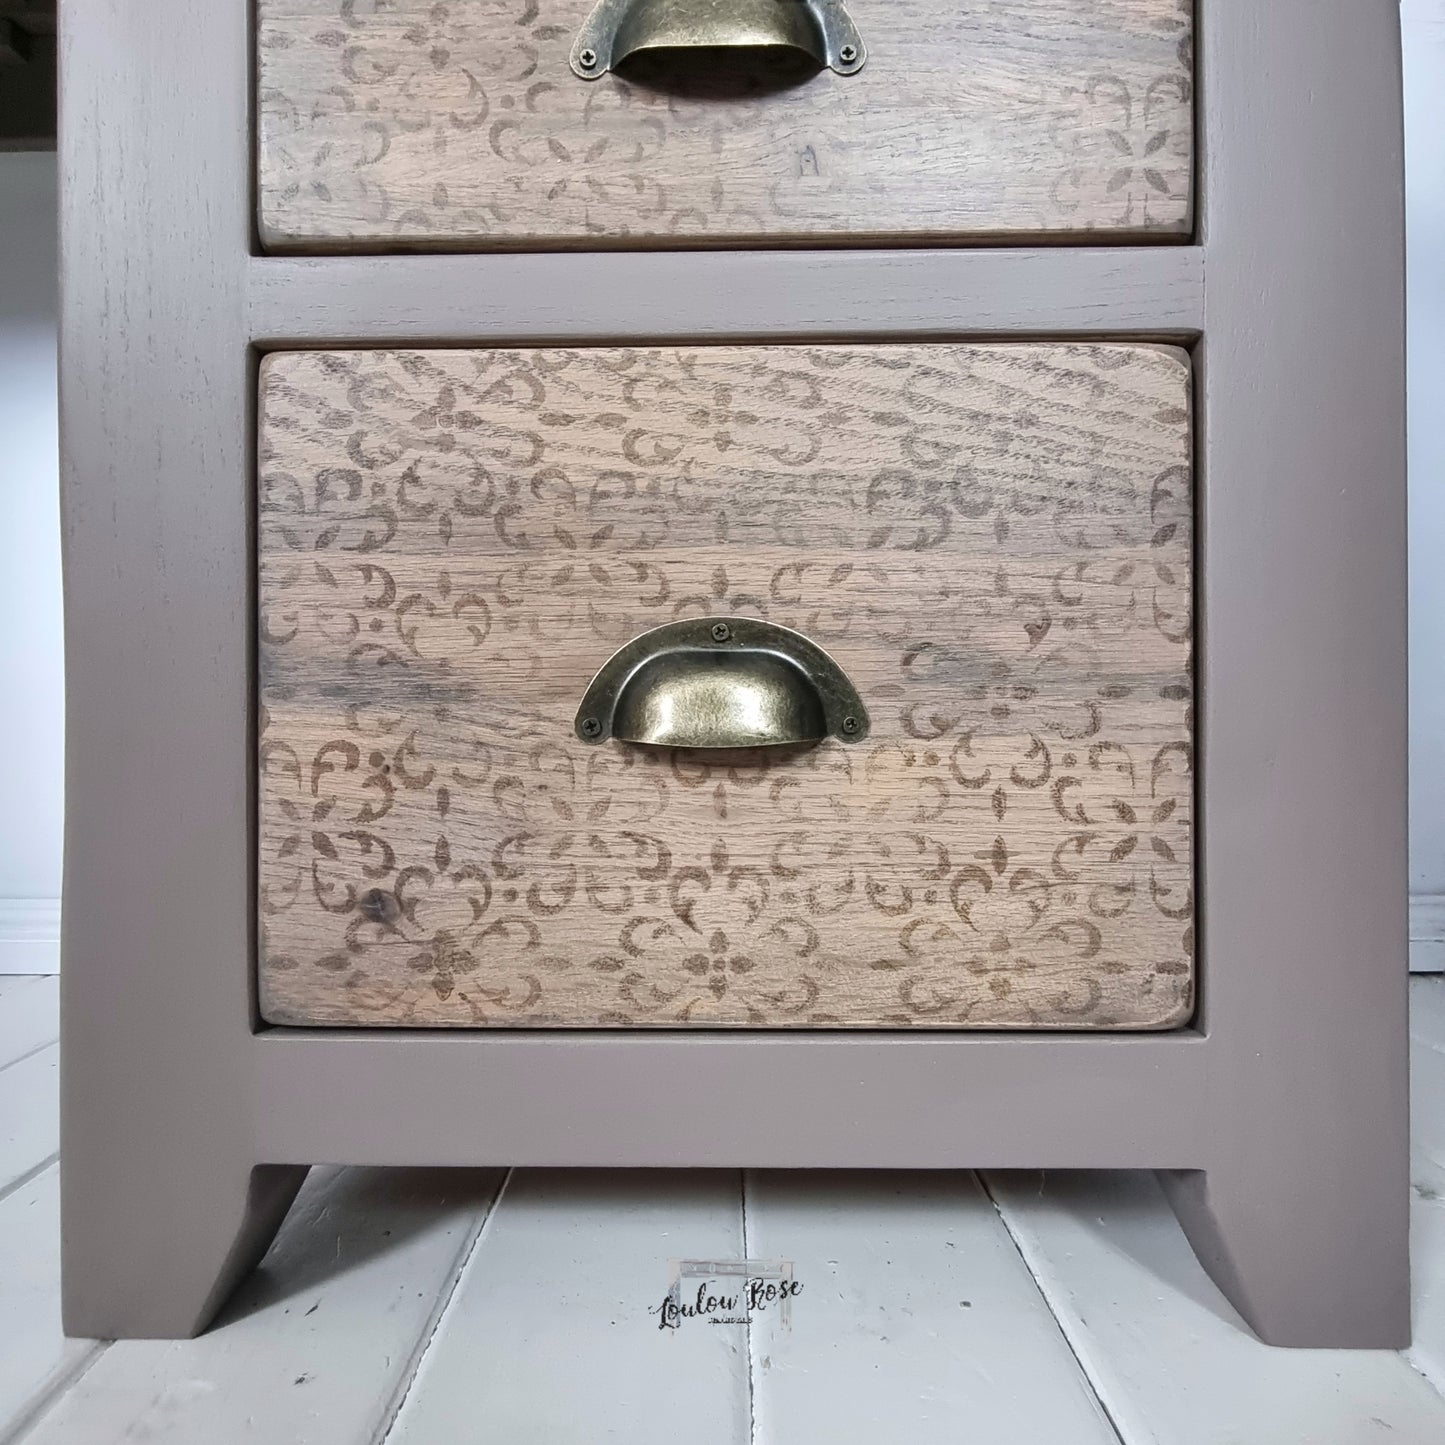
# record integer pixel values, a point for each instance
(992, 541)
(411, 124)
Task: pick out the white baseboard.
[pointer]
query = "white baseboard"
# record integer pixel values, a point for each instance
(1427, 933)
(29, 935)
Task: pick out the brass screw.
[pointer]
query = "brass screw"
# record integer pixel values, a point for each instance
(590, 727)
(587, 59)
(721, 632)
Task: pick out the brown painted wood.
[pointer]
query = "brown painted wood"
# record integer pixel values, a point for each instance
(413, 125)
(168, 1192)
(1152, 293)
(1289, 1094)
(993, 542)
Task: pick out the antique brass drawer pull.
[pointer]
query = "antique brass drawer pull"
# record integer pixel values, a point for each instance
(721, 682)
(617, 29)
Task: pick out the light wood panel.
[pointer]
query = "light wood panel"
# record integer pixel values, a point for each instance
(994, 543)
(413, 125)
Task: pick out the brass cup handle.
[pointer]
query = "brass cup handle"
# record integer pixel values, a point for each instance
(721, 682)
(617, 29)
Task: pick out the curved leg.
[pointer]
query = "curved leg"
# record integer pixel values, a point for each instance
(1319, 1261)
(158, 1261)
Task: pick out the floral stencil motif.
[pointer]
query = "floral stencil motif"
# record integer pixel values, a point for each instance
(992, 541)
(458, 124)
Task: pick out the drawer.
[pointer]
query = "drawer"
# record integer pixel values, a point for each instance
(412, 125)
(979, 557)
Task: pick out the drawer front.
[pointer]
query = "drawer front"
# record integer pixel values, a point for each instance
(992, 542)
(462, 126)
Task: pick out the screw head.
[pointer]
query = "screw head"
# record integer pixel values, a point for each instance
(721, 632)
(848, 54)
(850, 725)
(378, 907)
(587, 59)
(591, 727)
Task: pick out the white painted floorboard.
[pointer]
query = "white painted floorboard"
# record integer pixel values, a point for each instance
(29, 1016)
(1427, 1272)
(29, 1113)
(35, 1360)
(918, 1321)
(550, 1338)
(316, 1348)
(1427, 1175)
(1427, 1086)
(395, 1309)
(1427, 1009)
(1169, 1357)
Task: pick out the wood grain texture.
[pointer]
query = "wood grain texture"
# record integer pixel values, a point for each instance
(404, 124)
(1153, 293)
(162, 1209)
(993, 541)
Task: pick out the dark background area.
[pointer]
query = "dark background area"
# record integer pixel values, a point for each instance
(27, 74)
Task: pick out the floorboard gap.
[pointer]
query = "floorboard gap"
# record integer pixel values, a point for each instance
(465, 1255)
(39, 1048)
(752, 1358)
(31, 1414)
(34, 1172)
(1059, 1318)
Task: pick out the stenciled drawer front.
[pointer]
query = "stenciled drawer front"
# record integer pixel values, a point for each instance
(408, 124)
(993, 544)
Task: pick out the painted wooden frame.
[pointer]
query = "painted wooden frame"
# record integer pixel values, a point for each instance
(1280, 1117)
